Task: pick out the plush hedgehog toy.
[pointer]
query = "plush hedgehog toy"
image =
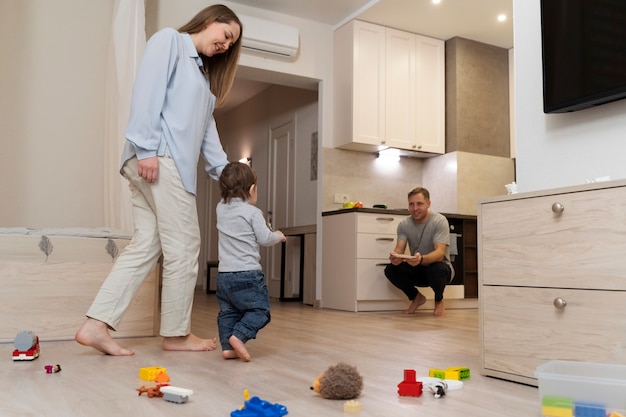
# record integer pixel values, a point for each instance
(339, 382)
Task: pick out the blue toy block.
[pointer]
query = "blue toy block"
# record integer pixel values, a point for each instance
(584, 409)
(256, 407)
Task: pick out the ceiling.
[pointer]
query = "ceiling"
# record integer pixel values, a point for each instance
(471, 19)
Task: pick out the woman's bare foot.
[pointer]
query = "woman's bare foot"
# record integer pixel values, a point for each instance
(190, 342)
(417, 301)
(240, 348)
(95, 334)
(440, 309)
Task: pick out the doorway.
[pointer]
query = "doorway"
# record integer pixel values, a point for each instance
(271, 127)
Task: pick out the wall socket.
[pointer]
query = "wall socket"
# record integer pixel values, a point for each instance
(341, 198)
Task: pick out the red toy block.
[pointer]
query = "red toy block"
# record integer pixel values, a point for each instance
(410, 387)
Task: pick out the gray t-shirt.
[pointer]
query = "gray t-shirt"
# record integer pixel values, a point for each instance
(422, 237)
(242, 228)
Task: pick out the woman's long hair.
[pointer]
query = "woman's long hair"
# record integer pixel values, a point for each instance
(220, 69)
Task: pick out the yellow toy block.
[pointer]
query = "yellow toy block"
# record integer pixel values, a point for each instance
(616, 414)
(458, 373)
(437, 373)
(548, 411)
(149, 374)
(352, 406)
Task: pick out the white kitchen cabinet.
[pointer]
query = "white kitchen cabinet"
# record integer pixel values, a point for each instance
(389, 88)
(356, 250)
(551, 278)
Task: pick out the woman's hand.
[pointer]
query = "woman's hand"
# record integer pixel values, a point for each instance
(148, 169)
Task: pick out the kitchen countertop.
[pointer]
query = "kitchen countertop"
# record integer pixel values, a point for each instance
(402, 212)
(366, 210)
(299, 230)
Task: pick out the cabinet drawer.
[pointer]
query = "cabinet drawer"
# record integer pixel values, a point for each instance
(373, 285)
(376, 246)
(521, 327)
(525, 243)
(378, 223)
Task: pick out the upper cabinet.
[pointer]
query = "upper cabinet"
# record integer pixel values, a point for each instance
(389, 88)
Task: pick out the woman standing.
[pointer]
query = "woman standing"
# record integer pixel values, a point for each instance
(184, 75)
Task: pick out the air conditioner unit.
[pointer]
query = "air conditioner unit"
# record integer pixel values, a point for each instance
(269, 37)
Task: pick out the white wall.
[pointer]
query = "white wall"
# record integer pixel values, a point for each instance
(555, 150)
(52, 75)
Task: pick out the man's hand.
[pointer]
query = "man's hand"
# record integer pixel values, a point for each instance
(397, 259)
(148, 169)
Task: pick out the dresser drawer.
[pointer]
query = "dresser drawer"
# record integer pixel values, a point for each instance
(378, 223)
(522, 328)
(527, 243)
(373, 285)
(369, 245)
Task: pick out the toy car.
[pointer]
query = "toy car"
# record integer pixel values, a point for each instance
(26, 346)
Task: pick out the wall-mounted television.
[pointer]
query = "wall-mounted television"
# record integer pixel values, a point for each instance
(584, 53)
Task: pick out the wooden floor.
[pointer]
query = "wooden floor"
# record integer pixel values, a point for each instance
(299, 343)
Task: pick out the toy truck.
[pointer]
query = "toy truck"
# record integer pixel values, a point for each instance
(176, 394)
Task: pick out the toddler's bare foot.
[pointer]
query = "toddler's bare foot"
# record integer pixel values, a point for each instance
(440, 309)
(190, 342)
(240, 348)
(95, 334)
(417, 301)
(229, 354)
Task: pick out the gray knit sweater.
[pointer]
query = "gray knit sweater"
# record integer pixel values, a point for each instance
(242, 228)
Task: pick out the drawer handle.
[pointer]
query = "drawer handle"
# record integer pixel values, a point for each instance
(560, 303)
(383, 264)
(386, 239)
(385, 219)
(558, 208)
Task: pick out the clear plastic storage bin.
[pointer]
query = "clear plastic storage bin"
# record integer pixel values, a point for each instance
(587, 389)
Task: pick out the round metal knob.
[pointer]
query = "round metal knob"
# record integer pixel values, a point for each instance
(560, 303)
(557, 208)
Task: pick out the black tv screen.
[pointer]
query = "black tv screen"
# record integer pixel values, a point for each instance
(584, 53)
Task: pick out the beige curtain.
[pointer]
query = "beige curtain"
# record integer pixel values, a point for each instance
(128, 39)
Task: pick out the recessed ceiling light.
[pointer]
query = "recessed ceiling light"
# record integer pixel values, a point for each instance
(436, 1)
(501, 17)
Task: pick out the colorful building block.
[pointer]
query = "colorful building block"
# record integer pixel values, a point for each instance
(584, 409)
(410, 387)
(256, 407)
(150, 373)
(352, 406)
(176, 394)
(552, 406)
(458, 373)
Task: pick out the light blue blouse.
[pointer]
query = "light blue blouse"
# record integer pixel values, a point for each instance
(172, 108)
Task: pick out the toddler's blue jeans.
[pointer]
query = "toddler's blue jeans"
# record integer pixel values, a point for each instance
(244, 305)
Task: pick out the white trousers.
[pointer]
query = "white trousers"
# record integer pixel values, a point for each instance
(166, 222)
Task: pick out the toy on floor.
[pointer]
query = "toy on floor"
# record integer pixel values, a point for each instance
(176, 394)
(26, 346)
(151, 373)
(256, 407)
(410, 387)
(151, 392)
(459, 373)
(438, 388)
(430, 384)
(52, 368)
(352, 406)
(339, 382)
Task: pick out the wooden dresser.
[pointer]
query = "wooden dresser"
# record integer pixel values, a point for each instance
(552, 281)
